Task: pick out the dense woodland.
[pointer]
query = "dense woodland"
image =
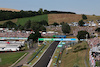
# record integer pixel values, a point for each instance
(6, 15)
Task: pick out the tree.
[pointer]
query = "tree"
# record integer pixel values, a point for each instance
(55, 24)
(98, 30)
(84, 17)
(9, 24)
(81, 23)
(62, 23)
(42, 28)
(46, 12)
(43, 22)
(35, 36)
(31, 36)
(20, 27)
(66, 28)
(94, 15)
(1, 25)
(27, 24)
(35, 26)
(82, 35)
(40, 12)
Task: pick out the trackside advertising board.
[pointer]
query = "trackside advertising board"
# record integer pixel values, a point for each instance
(57, 39)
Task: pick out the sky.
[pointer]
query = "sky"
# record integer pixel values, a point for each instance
(88, 7)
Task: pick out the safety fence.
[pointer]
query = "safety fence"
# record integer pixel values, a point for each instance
(35, 54)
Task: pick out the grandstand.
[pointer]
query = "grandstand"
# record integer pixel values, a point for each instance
(91, 30)
(12, 40)
(93, 42)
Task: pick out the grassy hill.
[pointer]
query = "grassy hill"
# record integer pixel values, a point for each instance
(22, 21)
(51, 18)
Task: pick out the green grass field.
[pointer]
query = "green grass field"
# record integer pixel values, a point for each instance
(22, 21)
(9, 58)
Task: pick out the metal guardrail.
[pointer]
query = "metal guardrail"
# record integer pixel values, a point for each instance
(57, 58)
(35, 55)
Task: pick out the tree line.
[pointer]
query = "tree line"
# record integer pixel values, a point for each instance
(29, 25)
(6, 15)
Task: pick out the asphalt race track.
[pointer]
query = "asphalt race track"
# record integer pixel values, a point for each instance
(43, 62)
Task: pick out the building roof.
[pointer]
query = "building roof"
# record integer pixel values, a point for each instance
(96, 49)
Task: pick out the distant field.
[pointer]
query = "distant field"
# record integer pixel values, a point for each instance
(63, 18)
(22, 21)
(69, 18)
(9, 58)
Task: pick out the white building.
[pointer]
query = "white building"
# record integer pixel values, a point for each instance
(91, 23)
(86, 24)
(50, 32)
(75, 23)
(43, 33)
(11, 48)
(70, 24)
(98, 21)
(96, 49)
